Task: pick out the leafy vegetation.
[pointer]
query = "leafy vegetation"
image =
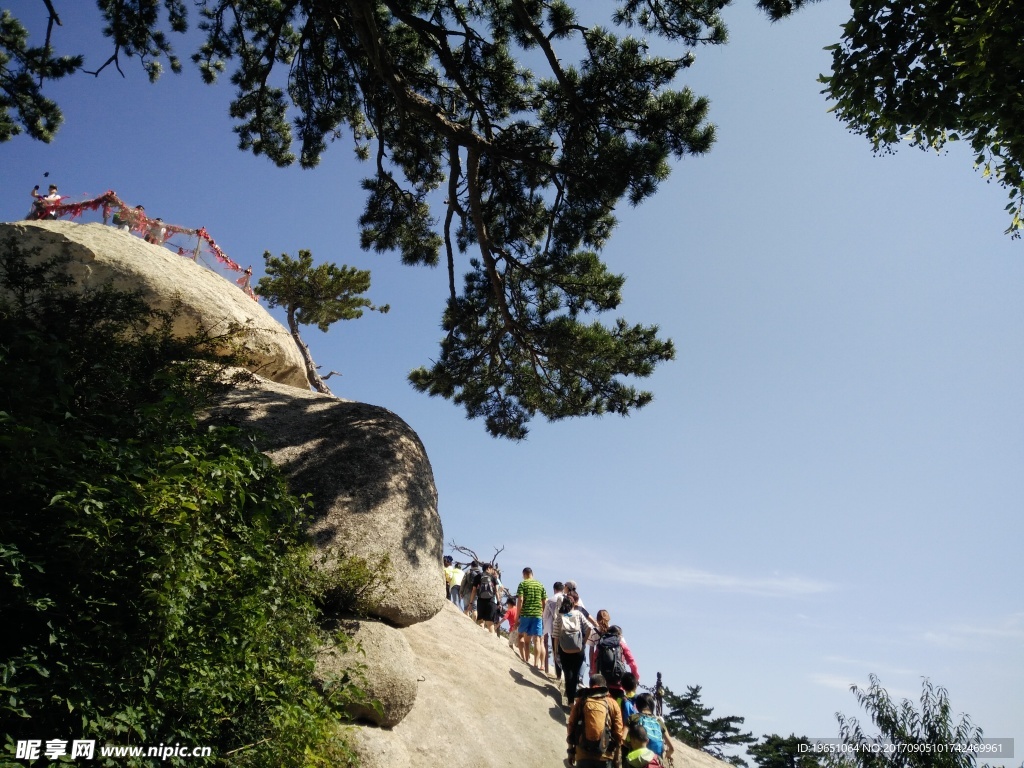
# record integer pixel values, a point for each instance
(503, 136)
(156, 586)
(690, 721)
(789, 752)
(929, 737)
(347, 585)
(530, 127)
(930, 73)
(320, 296)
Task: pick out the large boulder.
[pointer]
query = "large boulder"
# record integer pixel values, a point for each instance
(369, 479)
(103, 255)
(382, 661)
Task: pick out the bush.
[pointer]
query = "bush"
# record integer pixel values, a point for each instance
(156, 584)
(348, 585)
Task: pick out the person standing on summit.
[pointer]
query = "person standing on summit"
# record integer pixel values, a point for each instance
(550, 609)
(530, 597)
(42, 205)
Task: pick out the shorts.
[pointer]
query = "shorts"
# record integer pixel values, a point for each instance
(485, 609)
(530, 625)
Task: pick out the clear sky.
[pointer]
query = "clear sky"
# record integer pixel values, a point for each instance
(829, 482)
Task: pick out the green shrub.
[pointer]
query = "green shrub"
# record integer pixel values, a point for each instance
(349, 585)
(155, 582)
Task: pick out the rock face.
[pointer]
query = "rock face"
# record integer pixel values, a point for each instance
(386, 665)
(371, 484)
(103, 255)
(478, 705)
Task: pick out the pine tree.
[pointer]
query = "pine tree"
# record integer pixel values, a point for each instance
(319, 296)
(778, 752)
(690, 721)
(532, 127)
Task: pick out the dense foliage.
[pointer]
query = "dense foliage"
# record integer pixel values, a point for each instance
(784, 752)
(688, 720)
(153, 576)
(926, 737)
(933, 72)
(504, 134)
(523, 126)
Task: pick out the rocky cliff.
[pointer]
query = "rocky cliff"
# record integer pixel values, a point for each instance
(450, 693)
(107, 256)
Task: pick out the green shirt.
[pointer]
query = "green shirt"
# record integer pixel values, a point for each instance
(641, 758)
(534, 595)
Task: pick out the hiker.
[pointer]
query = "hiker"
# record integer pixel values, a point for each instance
(120, 220)
(485, 595)
(657, 734)
(612, 657)
(602, 620)
(595, 728)
(627, 705)
(568, 634)
(530, 602)
(511, 615)
(136, 219)
(157, 234)
(570, 589)
(550, 609)
(501, 592)
(637, 754)
(42, 205)
(627, 698)
(466, 588)
(127, 220)
(452, 580)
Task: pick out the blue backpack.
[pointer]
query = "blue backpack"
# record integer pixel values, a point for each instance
(628, 708)
(655, 743)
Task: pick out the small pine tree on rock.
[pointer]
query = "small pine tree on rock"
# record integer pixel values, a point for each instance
(319, 296)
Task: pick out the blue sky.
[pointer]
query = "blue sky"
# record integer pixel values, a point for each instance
(828, 483)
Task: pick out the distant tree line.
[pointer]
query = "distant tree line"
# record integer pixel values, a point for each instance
(927, 735)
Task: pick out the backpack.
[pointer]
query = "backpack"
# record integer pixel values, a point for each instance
(593, 729)
(609, 659)
(642, 758)
(571, 639)
(485, 590)
(628, 708)
(655, 741)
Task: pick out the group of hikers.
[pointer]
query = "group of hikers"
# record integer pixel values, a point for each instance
(115, 211)
(609, 723)
(44, 208)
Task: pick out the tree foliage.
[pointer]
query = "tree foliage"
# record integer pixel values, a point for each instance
(23, 70)
(778, 752)
(690, 721)
(911, 737)
(319, 296)
(934, 72)
(501, 137)
(154, 574)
